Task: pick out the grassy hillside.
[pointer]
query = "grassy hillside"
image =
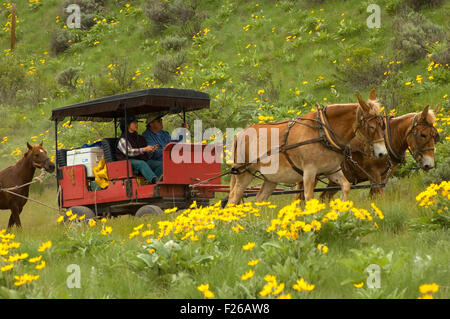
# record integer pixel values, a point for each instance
(260, 61)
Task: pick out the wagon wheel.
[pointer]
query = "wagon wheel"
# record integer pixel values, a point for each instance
(148, 210)
(80, 211)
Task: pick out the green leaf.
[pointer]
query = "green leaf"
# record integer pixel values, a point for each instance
(149, 260)
(6, 293)
(351, 264)
(201, 258)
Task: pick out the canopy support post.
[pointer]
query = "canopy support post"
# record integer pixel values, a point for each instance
(56, 163)
(128, 183)
(115, 127)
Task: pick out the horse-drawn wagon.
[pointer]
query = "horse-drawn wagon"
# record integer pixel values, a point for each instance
(126, 194)
(199, 180)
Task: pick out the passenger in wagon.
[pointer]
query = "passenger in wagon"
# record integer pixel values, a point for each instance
(139, 152)
(155, 135)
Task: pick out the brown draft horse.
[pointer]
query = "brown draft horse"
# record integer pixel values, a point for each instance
(413, 131)
(311, 159)
(21, 173)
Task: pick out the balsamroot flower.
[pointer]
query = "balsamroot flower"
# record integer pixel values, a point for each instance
(206, 292)
(303, 285)
(46, 245)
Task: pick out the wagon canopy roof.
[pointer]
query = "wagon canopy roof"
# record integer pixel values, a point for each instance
(138, 103)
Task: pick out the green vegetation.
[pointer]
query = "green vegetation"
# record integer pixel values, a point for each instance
(173, 265)
(259, 61)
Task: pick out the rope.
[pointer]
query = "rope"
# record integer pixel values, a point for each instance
(36, 179)
(33, 200)
(39, 179)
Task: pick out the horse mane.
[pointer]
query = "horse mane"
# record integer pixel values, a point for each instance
(26, 153)
(431, 117)
(375, 107)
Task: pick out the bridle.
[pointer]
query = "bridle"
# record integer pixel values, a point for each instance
(362, 122)
(418, 154)
(40, 166)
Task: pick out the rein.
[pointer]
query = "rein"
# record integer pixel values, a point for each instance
(419, 151)
(393, 153)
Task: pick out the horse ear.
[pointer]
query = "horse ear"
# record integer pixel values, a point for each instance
(29, 146)
(41, 143)
(372, 95)
(363, 104)
(424, 114)
(435, 110)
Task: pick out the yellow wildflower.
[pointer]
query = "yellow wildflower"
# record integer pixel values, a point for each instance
(426, 288)
(249, 274)
(46, 245)
(303, 285)
(359, 285)
(248, 246)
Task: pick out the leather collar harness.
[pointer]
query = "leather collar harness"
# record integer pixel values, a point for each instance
(394, 155)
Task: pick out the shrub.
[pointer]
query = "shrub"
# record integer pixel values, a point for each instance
(12, 79)
(441, 53)
(61, 40)
(166, 66)
(361, 68)
(36, 88)
(181, 13)
(412, 32)
(175, 43)
(88, 9)
(158, 12)
(394, 94)
(191, 27)
(394, 6)
(68, 78)
(119, 80)
(418, 4)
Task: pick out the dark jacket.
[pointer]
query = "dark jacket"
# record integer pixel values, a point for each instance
(135, 141)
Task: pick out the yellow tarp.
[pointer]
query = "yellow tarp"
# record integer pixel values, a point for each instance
(101, 174)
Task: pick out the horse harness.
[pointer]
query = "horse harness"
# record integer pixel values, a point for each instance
(327, 136)
(418, 154)
(394, 156)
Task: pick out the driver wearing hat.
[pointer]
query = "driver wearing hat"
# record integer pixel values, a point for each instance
(156, 136)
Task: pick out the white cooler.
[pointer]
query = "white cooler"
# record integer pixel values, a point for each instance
(89, 157)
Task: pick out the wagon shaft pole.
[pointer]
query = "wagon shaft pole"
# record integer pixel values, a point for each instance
(13, 25)
(323, 189)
